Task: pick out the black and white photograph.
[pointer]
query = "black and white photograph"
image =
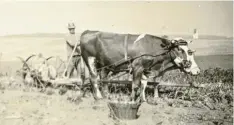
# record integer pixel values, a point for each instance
(122, 62)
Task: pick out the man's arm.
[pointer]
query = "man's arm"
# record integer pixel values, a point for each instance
(72, 47)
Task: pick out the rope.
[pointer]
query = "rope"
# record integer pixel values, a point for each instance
(129, 60)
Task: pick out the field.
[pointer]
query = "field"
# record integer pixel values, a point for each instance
(209, 53)
(209, 105)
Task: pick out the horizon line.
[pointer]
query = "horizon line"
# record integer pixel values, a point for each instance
(170, 34)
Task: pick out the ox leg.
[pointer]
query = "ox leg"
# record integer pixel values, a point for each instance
(137, 73)
(143, 86)
(94, 78)
(80, 69)
(83, 72)
(105, 91)
(156, 92)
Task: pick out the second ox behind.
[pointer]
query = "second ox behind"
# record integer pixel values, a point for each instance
(148, 56)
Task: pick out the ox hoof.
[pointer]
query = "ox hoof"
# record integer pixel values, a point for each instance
(98, 97)
(143, 100)
(105, 95)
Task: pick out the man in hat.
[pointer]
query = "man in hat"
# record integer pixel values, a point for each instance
(195, 34)
(75, 63)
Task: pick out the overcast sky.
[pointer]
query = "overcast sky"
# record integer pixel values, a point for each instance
(214, 18)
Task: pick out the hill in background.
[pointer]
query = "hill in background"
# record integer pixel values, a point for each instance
(59, 35)
(211, 51)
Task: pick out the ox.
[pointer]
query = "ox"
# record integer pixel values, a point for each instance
(147, 56)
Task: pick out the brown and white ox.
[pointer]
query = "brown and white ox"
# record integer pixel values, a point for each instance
(148, 55)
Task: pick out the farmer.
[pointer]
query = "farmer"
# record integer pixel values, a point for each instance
(76, 60)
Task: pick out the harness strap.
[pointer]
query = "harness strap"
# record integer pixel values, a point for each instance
(177, 60)
(153, 64)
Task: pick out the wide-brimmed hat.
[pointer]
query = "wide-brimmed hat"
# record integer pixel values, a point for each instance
(71, 26)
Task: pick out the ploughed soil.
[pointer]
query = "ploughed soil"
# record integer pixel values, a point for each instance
(24, 107)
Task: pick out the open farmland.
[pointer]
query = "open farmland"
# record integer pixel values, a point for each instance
(209, 53)
(211, 104)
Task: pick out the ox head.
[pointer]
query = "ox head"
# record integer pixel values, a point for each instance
(27, 69)
(183, 56)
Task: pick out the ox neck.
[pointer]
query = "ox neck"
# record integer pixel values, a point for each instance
(168, 63)
(169, 55)
(165, 59)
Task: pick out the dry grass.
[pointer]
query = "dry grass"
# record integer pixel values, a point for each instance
(215, 98)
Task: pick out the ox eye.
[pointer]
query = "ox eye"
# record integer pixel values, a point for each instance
(190, 52)
(179, 49)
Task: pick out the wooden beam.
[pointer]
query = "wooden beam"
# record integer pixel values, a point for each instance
(175, 85)
(149, 83)
(116, 81)
(72, 82)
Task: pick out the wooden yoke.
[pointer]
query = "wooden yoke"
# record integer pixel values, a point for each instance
(126, 47)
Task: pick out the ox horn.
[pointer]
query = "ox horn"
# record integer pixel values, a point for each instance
(49, 58)
(30, 57)
(24, 62)
(189, 41)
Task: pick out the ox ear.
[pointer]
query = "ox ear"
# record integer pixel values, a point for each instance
(189, 41)
(175, 42)
(165, 43)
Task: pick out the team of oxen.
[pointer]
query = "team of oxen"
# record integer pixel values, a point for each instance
(144, 56)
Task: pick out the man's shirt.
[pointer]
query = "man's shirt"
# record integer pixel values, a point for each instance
(71, 40)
